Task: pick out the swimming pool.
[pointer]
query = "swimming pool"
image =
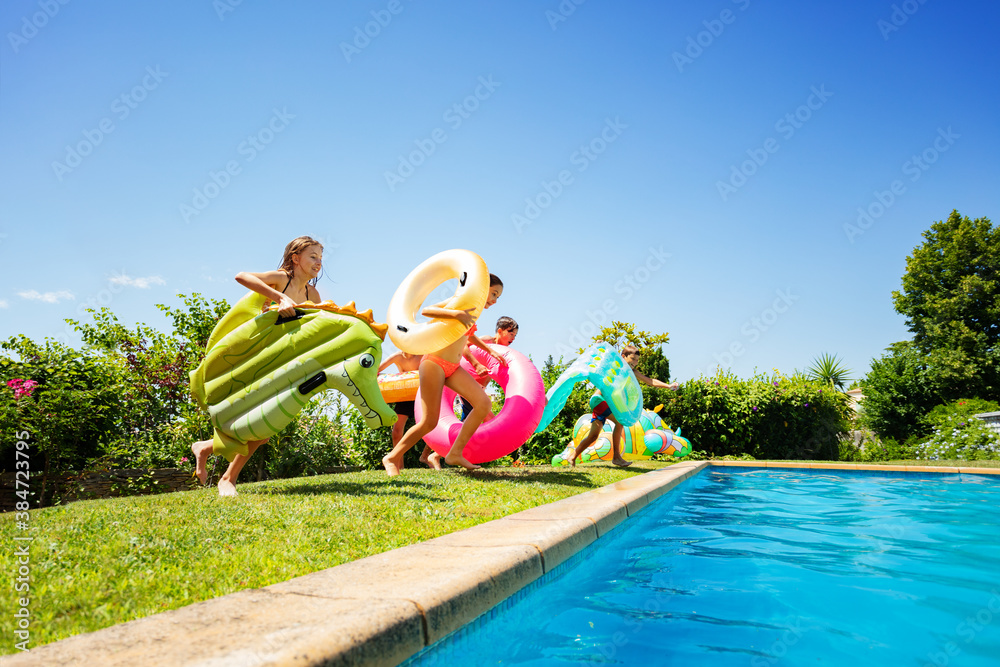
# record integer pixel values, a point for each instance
(765, 567)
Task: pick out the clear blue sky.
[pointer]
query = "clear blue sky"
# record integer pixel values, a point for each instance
(113, 114)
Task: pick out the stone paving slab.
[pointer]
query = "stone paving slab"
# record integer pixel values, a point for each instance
(450, 585)
(858, 466)
(252, 627)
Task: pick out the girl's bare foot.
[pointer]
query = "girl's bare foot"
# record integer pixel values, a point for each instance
(201, 450)
(459, 460)
(431, 458)
(227, 488)
(621, 463)
(573, 457)
(392, 467)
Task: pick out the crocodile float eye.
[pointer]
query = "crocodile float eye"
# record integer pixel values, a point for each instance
(367, 361)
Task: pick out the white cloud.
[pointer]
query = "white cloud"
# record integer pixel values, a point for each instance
(47, 297)
(3, 303)
(141, 283)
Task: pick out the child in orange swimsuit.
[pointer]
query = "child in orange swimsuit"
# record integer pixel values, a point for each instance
(442, 368)
(300, 268)
(404, 409)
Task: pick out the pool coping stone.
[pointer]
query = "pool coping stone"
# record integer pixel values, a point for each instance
(961, 470)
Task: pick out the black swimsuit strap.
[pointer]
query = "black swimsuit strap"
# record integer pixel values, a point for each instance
(290, 282)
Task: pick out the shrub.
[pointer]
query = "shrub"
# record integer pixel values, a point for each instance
(962, 410)
(970, 440)
(869, 448)
(71, 412)
(766, 416)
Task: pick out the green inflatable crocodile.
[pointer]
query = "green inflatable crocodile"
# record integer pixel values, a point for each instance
(261, 369)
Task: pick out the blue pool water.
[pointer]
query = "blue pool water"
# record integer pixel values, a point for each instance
(766, 567)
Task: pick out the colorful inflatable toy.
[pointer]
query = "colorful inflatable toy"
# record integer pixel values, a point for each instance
(261, 369)
(424, 337)
(524, 396)
(640, 441)
(397, 387)
(607, 371)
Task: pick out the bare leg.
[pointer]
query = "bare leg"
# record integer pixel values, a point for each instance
(431, 382)
(473, 392)
(201, 450)
(399, 428)
(595, 430)
(616, 447)
(227, 483)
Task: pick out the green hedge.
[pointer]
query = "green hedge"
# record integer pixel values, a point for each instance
(766, 416)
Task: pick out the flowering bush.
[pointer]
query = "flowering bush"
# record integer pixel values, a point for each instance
(22, 388)
(970, 440)
(962, 410)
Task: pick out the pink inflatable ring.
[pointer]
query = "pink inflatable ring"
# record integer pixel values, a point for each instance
(524, 400)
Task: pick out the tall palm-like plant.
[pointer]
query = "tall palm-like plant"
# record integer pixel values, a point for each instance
(828, 368)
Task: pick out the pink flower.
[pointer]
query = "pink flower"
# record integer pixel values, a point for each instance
(22, 387)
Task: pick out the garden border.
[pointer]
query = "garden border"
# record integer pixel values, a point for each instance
(382, 609)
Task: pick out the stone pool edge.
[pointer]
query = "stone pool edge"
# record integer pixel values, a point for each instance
(379, 610)
(858, 466)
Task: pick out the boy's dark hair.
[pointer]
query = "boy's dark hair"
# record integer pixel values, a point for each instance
(495, 281)
(506, 324)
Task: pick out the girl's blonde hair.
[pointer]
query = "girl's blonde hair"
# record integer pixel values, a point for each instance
(295, 247)
(629, 349)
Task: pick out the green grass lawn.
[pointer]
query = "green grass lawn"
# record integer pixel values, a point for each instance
(101, 562)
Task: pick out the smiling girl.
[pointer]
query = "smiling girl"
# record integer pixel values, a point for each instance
(293, 282)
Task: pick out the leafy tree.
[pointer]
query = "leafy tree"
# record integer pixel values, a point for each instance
(899, 390)
(951, 299)
(652, 362)
(620, 334)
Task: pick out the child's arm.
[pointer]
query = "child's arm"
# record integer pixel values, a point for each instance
(263, 284)
(652, 382)
(439, 313)
(481, 370)
(390, 361)
(475, 340)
